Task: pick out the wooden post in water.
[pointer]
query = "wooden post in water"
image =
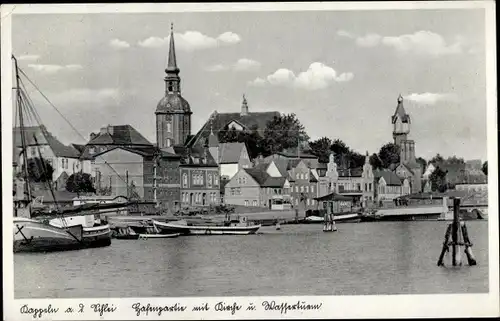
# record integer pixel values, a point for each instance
(455, 250)
(457, 229)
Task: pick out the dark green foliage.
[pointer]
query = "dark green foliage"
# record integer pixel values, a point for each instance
(281, 133)
(80, 183)
(438, 180)
(39, 170)
(375, 161)
(321, 148)
(389, 154)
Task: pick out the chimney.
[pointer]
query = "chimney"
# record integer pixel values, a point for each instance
(92, 136)
(103, 130)
(110, 129)
(244, 106)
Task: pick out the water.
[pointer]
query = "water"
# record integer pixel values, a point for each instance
(364, 258)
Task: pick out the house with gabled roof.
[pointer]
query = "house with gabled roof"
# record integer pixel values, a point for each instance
(138, 172)
(200, 183)
(241, 121)
(63, 158)
(260, 186)
(357, 183)
(389, 186)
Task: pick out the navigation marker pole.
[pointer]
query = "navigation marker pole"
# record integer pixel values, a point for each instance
(459, 237)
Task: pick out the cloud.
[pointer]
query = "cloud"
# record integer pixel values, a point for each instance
(370, 40)
(318, 76)
(229, 37)
(191, 41)
(344, 33)
(428, 98)
(28, 57)
(421, 42)
(51, 69)
(119, 44)
(243, 64)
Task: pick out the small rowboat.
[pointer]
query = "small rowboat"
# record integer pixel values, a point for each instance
(158, 236)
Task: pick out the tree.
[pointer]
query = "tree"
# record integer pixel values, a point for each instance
(321, 148)
(375, 161)
(251, 138)
(39, 170)
(485, 168)
(284, 131)
(436, 160)
(438, 180)
(80, 183)
(423, 163)
(341, 152)
(389, 154)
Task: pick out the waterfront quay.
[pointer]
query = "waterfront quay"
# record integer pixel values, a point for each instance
(360, 259)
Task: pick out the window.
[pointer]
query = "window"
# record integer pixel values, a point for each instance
(254, 203)
(244, 180)
(307, 189)
(302, 189)
(216, 180)
(246, 202)
(169, 127)
(298, 176)
(370, 187)
(185, 179)
(209, 180)
(170, 87)
(307, 201)
(312, 188)
(297, 202)
(33, 151)
(297, 189)
(168, 142)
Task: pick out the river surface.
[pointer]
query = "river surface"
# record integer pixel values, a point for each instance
(359, 259)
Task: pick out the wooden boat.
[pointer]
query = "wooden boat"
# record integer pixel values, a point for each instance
(42, 229)
(158, 236)
(339, 218)
(183, 228)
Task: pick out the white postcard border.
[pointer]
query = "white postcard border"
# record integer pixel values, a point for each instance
(376, 306)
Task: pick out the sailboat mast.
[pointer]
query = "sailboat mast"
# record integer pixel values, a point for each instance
(21, 129)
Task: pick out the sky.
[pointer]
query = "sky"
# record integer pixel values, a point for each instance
(340, 72)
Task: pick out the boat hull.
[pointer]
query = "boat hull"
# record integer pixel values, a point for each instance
(172, 228)
(158, 236)
(34, 236)
(97, 236)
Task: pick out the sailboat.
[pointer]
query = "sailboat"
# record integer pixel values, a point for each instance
(45, 230)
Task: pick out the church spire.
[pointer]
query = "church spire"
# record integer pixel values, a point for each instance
(172, 61)
(244, 106)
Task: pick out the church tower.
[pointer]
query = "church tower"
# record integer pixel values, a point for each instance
(400, 123)
(173, 113)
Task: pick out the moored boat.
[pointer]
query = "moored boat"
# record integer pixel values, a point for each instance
(182, 227)
(158, 236)
(35, 236)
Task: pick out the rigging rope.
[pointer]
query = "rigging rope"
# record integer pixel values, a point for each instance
(65, 119)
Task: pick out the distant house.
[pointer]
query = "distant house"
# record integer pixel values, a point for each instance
(199, 172)
(389, 186)
(62, 158)
(303, 183)
(357, 183)
(130, 172)
(260, 186)
(232, 157)
(242, 121)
